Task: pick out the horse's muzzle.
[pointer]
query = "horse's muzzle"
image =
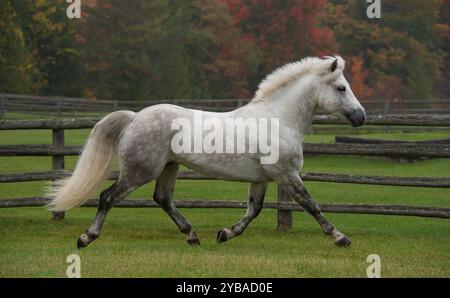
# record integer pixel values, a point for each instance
(356, 117)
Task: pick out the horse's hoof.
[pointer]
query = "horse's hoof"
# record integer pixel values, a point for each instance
(222, 236)
(193, 241)
(83, 241)
(343, 242)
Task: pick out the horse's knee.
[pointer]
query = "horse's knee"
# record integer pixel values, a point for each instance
(258, 208)
(156, 198)
(161, 200)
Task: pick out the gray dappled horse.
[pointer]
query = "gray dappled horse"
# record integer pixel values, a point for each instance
(142, 142)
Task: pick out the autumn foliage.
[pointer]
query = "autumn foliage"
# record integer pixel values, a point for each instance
(159, 49)
(358, 78)
(283, 30)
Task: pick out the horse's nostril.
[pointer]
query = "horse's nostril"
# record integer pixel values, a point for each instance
(356, 117)
(360, 116)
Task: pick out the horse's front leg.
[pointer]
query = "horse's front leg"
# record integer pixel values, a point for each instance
(297, 190)
(256, 193)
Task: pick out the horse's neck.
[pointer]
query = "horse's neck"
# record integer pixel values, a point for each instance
(294, 109)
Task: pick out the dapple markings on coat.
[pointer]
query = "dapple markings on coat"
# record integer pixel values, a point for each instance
(142, 141)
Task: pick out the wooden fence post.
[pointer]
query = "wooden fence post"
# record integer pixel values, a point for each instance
(284, 218)
(58, 162)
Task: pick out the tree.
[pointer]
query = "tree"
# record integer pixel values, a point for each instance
(284, 31)
(163, 49)
(224, 61)
(443, 85)
(392, 46)
(15, 61)
(134, 50)
(50, 38)
(358, 78)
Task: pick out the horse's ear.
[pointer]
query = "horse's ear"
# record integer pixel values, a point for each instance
(333, 65)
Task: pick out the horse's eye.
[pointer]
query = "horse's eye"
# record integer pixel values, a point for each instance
(341, 88)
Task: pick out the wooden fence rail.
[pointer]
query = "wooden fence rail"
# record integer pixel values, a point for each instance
(440, 120)
(59, 106)
(57, 150)
(401, 149)
(353, 140)
(280, 206)
(319, 177)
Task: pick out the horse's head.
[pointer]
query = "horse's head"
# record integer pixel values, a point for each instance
(334, 94)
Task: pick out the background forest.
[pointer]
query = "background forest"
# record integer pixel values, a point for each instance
(164, 49)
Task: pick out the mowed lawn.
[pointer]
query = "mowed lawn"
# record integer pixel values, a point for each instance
(145, 243)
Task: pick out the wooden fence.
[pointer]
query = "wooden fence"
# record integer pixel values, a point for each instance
(57, 150)
(79, 107)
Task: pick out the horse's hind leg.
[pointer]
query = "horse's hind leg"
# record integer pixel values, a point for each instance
(256, 193)
(163, 195)
(115, 192)
(298, 191)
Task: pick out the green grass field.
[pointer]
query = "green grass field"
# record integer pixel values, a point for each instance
(144, 242)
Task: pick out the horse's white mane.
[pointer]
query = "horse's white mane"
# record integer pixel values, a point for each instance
(292, 71)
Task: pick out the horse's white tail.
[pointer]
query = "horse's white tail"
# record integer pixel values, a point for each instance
(93, 165)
